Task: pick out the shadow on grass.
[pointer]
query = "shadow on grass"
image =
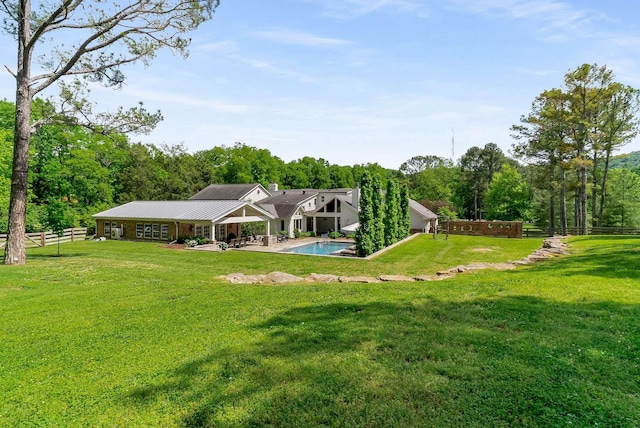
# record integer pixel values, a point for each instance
(56, 256)
(487, 362)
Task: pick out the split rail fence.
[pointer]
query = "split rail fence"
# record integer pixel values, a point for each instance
(42, 239)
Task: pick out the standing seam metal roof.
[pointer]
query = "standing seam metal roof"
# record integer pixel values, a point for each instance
(421, 209)
(176, 210)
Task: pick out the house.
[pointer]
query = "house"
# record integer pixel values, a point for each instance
(232, 192)
(290, 209)
(335, 209)
(167, 220)
(423, 220)
(219, 210)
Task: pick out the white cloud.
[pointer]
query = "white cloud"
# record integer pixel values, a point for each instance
(299, 38)
(349, 9)
(553, 19)
(185, 100)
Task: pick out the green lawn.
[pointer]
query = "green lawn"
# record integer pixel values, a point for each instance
(131, 334)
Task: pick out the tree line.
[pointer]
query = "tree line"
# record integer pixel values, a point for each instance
(79, 172)
(558, 176)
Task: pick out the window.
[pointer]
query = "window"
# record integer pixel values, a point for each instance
(331, 206)
(206, 231)
(164, 231)
(321, 198)
(147, 231)
(155, 231)
(107, 228)
(198, 230)
(139, 230)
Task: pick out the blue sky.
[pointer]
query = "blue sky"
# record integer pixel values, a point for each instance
(358, 81)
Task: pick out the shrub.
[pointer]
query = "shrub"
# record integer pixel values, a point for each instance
(336, 234)
(223, 246)
(199, 240)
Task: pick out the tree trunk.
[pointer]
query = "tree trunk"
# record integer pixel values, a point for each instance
(604, 188)
(583, 199)
(14, 253)
(552, 213)
(594, 190)
(563, 203)
(475, 204)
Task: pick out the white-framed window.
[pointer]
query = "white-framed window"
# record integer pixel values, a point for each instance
(198, 230)
(139, 230)
(147, 231)
(155, 231)
(164, 231)
(222, 232)
(206, 231)
(107, 228)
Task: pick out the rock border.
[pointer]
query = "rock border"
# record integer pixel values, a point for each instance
(551, 247)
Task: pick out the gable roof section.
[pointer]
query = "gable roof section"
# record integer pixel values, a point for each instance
(178, 210)
(345, 200)
(421, 210)
(285, 203)
(228, 192)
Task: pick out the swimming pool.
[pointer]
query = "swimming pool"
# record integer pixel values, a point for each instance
(319, 248)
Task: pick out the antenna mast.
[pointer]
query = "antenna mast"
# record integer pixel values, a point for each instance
(453, 146)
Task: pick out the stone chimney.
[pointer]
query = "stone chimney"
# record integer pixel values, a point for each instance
(273, 187)
(355, 197)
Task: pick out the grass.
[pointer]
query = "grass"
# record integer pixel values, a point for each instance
(130, 334)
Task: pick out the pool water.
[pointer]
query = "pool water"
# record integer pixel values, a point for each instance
(319, 248)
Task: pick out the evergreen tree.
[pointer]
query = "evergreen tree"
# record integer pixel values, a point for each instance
(364, 241)
(404, 217)
(378, 214)
(391, 213)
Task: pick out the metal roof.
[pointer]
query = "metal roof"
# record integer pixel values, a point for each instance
(285, 203)
(229, 192)
(421, 209)
(178, 210)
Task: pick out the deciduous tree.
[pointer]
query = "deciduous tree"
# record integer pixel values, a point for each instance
(508, 196)
(102, 37)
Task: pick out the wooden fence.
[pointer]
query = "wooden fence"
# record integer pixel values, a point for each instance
(534, 232)
(42, 239)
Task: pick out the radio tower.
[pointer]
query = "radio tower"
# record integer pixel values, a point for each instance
(453, 146)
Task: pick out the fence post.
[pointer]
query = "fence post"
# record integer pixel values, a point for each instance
(72, 229)
(43, 241)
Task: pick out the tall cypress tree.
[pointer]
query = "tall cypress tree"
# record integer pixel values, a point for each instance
(404, 218)
(391, 212)
(378, 214)
(364, 241)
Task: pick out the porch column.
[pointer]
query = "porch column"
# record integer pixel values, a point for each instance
(315, 230)
(268, 227)
(335, 224)
(213, 232)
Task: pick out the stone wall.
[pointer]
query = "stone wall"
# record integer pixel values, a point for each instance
(505, 229)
